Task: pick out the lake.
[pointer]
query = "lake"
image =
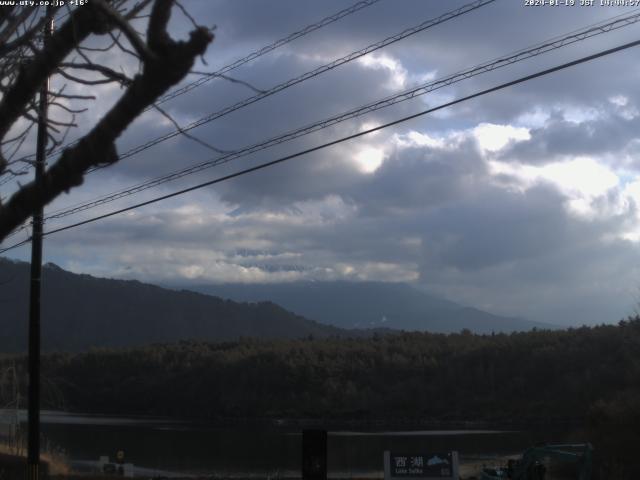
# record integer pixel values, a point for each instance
(183, 447)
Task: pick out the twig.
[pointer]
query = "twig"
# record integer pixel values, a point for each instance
(84, 81)
(67, 109)
(126, 28)
(187, 14)
(228, 78)
(106, 71)
(137, 9)
(188, 135)
(116, 40)
(72, 97)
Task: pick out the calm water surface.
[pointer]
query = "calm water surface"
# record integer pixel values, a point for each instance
(188, 447)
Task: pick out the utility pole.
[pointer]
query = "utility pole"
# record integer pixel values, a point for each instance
(33, 447)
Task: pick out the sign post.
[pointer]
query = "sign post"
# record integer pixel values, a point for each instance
(314, 455)
(33, 439)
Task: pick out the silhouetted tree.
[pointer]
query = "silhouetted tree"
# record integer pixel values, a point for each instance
(26, 62)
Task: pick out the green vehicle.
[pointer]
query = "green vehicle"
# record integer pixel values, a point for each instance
(530, 466)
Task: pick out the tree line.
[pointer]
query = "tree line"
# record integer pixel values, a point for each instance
(586, 376)
(538, 375)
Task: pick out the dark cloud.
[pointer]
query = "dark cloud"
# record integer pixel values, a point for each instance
(611, 134)
(433, 212)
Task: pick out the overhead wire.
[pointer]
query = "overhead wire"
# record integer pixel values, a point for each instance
(449, 15)
(266, 49)
(540, 48)
(501, 62)
(554, 43)
(310, 74)
(233, 65)
(305, 76)
(261, 166)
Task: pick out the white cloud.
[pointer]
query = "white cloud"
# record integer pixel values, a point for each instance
(619, 100)
(624, 107)
(582, 177)
(369, 159)
(419, 139)
(398, 74)
(535, 118)
(332, 217)
(581, 180)
(368, 126)
(492, 137)
(318, 212)
(377, 271)
(579, 114)
(191, 271)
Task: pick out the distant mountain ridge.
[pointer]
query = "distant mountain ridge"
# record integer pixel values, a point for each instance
(372, 305)
(81, 311)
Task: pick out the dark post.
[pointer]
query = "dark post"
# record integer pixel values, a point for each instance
(33, 447)
(314, 455)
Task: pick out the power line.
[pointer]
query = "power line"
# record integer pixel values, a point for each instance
(605, 26)
(16, 245)
(354, 113)
(311, 74)
(266, 49)
(543, 47)
(305, 76)
(294, 81)
(343, 139)
(235, 64)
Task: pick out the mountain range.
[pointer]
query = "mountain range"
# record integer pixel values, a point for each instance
(80, 311)
(358, 305)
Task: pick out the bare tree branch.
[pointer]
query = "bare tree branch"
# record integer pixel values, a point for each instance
(167, 64)
(116, 40)
(13, 25)
(72, 97)
(187, 134)
(104, 70)
(187, 14)
(126, 28)
(67, 109)
(136, 9)
(229, 79)
(31, 77)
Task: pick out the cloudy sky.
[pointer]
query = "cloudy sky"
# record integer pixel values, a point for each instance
(521, 202)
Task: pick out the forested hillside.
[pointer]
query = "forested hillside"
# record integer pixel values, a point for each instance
(540, 375)
(81, 311)
(587, 378)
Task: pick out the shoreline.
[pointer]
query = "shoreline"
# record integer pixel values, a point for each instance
(326, 423)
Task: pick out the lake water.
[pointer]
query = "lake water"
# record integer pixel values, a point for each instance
(169, 446)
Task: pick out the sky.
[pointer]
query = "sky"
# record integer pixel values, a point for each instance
(522, 202)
